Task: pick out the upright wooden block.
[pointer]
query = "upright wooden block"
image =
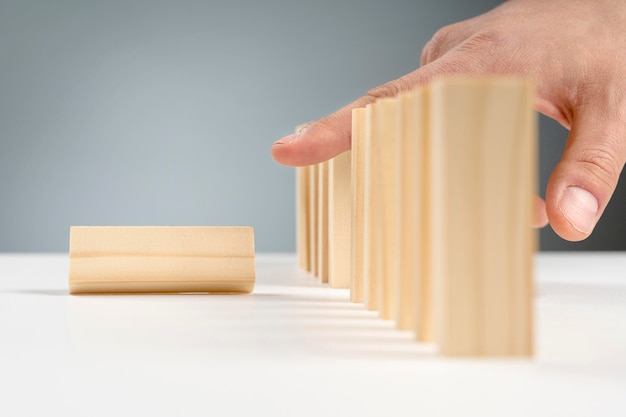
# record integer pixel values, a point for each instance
(161, 259)
(483, 176)
(313, 217)
(413, 292)
(358, 204)
(339, 221)
(303, 214)
(322, 222)
(371, 214)
(387, 110)
(302, 218)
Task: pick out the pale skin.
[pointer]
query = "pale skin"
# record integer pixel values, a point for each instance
(573, 50)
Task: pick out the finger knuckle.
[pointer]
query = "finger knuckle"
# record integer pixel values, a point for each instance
(427, 53)
(602, 164)
(481, 42)
(435, 47)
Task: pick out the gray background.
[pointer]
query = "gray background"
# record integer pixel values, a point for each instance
(162, 113)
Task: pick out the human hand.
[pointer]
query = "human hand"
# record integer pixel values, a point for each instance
(574, 50)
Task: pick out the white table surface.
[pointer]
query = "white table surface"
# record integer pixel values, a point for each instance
(297, 348)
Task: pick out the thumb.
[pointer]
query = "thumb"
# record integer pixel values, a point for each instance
(584, 180)
(327, 137)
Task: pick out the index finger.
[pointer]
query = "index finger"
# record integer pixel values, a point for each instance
(326, 138)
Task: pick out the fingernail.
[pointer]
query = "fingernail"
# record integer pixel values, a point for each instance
(579, 207)
(380, 92)
(290, 138)
(286, 139)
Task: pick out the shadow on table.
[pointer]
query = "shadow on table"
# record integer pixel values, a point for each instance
(202, 326)
(48, 292)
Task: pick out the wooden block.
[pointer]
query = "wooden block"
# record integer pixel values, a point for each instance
(322, 222)
(303, 213)
(358, 204)
(413, 292)
(483, 177)
(302, 218)
(161, 259)
(387, 119)
(371, 213)
(339, 221)
(313, 207)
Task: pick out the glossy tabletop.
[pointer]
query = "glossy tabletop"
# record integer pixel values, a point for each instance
(295, 347)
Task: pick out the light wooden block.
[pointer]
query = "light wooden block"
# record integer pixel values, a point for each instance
(482, 153)
(358, 204)
(313, 216)
(130, 259)
(302, 218)
(414, 300)
(303, 214)
(387, 123)
(322, 222)
(371, 213)
(339, 221)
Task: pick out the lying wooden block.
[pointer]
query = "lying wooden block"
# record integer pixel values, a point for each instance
(140, 259)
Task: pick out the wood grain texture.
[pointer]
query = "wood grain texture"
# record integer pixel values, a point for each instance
(483, 174)
(358, 204)
(371, 213)
(387, 126)
(313, 217)
(302, 214)
(126, 259)
(302, 218)
(322, 221)
(339, 221)
(413, 296)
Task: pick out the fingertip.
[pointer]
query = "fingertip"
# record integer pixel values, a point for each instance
(282, 151)
(326, 138)
(573, 212)
(317, 142)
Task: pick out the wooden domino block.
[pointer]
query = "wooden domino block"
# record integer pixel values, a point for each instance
(413, 292)
(322, 222)
(371, 213)
(339, 221)
(442, 182)
(313, 217)
(303, 214)
(387, 110)
(161, 259)
(482, 153)
(358, 204)
(302, 218)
